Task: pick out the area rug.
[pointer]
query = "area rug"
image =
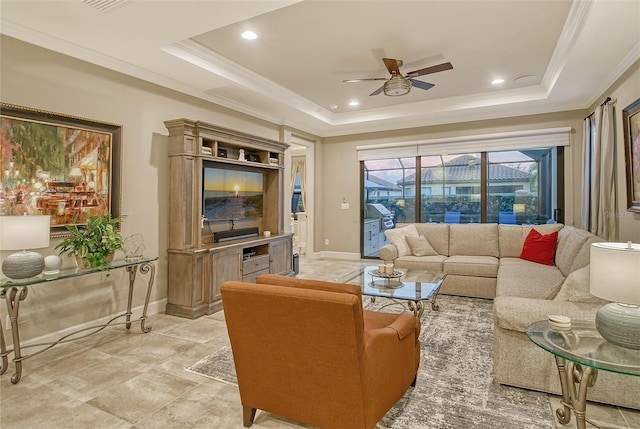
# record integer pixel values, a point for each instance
(455, 386)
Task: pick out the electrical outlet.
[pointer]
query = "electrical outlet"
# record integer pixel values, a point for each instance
(326, 241)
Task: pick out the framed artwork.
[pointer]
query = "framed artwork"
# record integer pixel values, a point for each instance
(58, 165)
(631, 122)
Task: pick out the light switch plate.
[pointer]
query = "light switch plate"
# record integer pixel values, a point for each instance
(344, 206)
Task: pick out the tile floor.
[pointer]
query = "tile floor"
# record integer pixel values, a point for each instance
(129, 380)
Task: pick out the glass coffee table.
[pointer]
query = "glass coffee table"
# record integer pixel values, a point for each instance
(411, 286)
(580, 352)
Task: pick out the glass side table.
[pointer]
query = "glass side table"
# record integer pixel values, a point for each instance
(580, 352)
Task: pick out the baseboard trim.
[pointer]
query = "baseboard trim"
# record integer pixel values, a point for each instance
(338, 255)
(154, 308)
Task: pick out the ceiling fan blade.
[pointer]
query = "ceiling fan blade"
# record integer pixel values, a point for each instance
(420, 84)
(377, 91)
(391, 65)
(429, 70)
(364, 79)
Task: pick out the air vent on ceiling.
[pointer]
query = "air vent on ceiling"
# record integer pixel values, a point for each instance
(104, 5)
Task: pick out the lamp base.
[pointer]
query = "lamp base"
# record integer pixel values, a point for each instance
(22, 265)
(52, 264)
(620, 324)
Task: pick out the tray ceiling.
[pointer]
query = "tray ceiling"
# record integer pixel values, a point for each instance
(553, 55)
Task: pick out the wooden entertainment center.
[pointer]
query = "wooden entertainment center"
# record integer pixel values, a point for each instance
(198, 263)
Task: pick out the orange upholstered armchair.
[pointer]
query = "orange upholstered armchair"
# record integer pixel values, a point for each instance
(307, 350)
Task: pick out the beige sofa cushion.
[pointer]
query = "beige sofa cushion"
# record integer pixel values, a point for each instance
(583, 257)
(437, 234)
(397, 237)
(478, 239)
(479, 287)
(570, 242)
(526, 279)
(429, 263)
(477, 266)
(512, 237)
(576, 288)
(420, 246)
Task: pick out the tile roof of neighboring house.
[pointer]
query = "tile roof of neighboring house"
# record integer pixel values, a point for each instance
(466, 168)
(379, 183)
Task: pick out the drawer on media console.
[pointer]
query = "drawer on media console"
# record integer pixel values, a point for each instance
(251, 278)
(255, 263)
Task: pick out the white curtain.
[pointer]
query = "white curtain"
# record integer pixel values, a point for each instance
(299, 167)
(598, 174)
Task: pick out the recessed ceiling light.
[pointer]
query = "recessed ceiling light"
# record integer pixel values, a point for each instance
(354, 103)
(249, 35)
(333, 106)
(497, 81)
(528, 78)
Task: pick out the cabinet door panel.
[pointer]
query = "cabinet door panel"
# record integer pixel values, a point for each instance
(280, 253)
(226, 267)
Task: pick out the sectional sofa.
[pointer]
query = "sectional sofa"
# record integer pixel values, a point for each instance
(484, 261)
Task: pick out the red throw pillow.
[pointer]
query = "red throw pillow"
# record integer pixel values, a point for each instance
(540, 248)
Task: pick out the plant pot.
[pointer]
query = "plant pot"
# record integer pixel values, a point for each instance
(84, 262)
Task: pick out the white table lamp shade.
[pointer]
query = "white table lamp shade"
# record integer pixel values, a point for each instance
(23, 233)
(615, 276)
(615, 272)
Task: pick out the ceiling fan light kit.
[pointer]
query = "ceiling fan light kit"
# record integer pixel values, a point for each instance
(397, 85)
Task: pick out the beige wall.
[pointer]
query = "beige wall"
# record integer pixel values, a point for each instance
(38, 78)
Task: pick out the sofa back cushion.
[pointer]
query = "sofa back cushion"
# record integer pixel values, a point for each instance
(437, 234)
(570, 243)
(511, 237)
(583, 257)
(477, 239)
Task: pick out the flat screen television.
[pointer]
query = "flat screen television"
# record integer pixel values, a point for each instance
(231, 192)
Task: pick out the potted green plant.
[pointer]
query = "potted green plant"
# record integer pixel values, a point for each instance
(93, 244)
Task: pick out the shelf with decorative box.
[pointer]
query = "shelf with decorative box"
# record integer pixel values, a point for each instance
(204, 249)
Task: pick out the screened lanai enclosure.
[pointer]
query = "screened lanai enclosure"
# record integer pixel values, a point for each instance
(508, 187)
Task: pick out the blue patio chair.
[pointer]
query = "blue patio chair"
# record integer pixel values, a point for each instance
(507, 218)
(451, 217)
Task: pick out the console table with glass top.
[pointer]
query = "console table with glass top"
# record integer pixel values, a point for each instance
(15, 291)
(580, 352)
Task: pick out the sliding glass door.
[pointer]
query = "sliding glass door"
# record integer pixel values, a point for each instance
(387, 199)
(450, 188)
(508, 187)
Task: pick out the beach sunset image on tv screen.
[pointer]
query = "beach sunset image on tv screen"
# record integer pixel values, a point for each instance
(232, 194)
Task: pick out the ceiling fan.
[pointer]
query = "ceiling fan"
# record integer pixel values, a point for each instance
(398, 84)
